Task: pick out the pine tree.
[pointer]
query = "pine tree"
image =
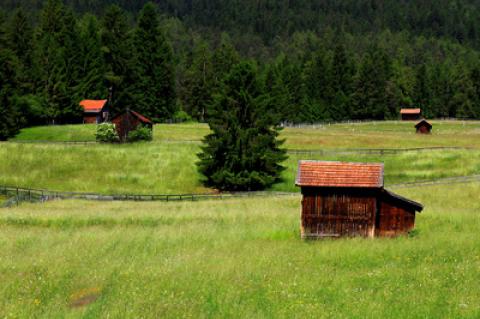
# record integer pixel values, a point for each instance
(121, 74)
(50, 56)
(463, 100)
(9, 116)
(199, 82)
(242, 152)
(342, 81)
(92, 68)
(20, 42)
(369, 100)
(155, 66)
(422, 94)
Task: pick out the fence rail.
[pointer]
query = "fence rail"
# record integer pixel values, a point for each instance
(377, 151)
(17, 195)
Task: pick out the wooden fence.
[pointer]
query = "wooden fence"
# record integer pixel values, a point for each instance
(16, 195)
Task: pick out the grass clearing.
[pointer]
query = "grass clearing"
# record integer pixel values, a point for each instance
(386, 134)
(239, 258)
(169, 168)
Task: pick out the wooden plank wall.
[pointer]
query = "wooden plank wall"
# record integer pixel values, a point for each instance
(333, 214)
(393, 220)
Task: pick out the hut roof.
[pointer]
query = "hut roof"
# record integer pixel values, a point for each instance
(339, 174)
(423, 122)
(92, 106)
(411, 111)
(402, 200)
(139, 116)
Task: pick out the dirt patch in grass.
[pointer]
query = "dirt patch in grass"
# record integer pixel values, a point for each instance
(84, 297)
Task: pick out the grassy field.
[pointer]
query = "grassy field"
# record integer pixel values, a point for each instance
(167, 165)
(235, 259)
(389, 134)
(169, 168)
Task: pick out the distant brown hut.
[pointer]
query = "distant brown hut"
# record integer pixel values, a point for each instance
(94, 111)
(423, 127)
(348, 199)
(128, 121)
(411, 114)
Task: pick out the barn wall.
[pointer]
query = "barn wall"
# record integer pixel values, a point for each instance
(393, 219)
(423, 129)
(90, 118)
(124, 124)
(338, 212)
(410, 117)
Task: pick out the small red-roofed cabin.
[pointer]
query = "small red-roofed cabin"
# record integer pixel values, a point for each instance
(423, 127)
(94, 111)
(348, 199)
(411, 114)
(128, 121)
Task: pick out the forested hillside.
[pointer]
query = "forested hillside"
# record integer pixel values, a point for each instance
(319, 60)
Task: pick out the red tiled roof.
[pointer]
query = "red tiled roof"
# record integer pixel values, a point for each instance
(423, 122)
(339, 174)
(141, 117)
(94, 106)
(410, 111)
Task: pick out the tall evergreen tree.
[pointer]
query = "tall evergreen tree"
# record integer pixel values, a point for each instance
(117, 48)
(243, 151)
(20, 42)
(199, 83)
(422, 94)
(156, 67)
(92, 68)
(9, 117)
(370, 98)
(50, 55)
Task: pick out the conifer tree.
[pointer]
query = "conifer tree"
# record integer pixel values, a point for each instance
(9, 116)
(92, 68)
(422, 94)
(117, 48)
(199, 84)
(243, 151)
(20, 42)
(50, 55)
(156, 67)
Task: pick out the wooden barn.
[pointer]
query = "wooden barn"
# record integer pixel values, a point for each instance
(95, 111)
(348, 199)
(411, 114)
(423, 127)
(128, 121)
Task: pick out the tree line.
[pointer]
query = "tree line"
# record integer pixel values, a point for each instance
(325, 62)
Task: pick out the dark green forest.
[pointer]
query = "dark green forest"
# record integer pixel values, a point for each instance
(317, 60)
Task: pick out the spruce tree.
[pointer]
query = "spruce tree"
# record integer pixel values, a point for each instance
(155, 66)
(121, 74)
(52, 86)
(243, 151)
(20, 42)
(92, 68)
(9, 116)
(422, 94)
(199, 82)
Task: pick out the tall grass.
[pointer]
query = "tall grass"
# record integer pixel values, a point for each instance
(385, 134)
(169, 168)
(235, 258)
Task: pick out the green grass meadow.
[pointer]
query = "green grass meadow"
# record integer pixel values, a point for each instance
(237, 257)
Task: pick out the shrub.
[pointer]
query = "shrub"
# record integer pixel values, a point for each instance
(181, 116)
(141, 133)
(106, 133)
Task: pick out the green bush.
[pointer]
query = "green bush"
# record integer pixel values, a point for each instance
(107, 133)
(181, 116)
(141, 133)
